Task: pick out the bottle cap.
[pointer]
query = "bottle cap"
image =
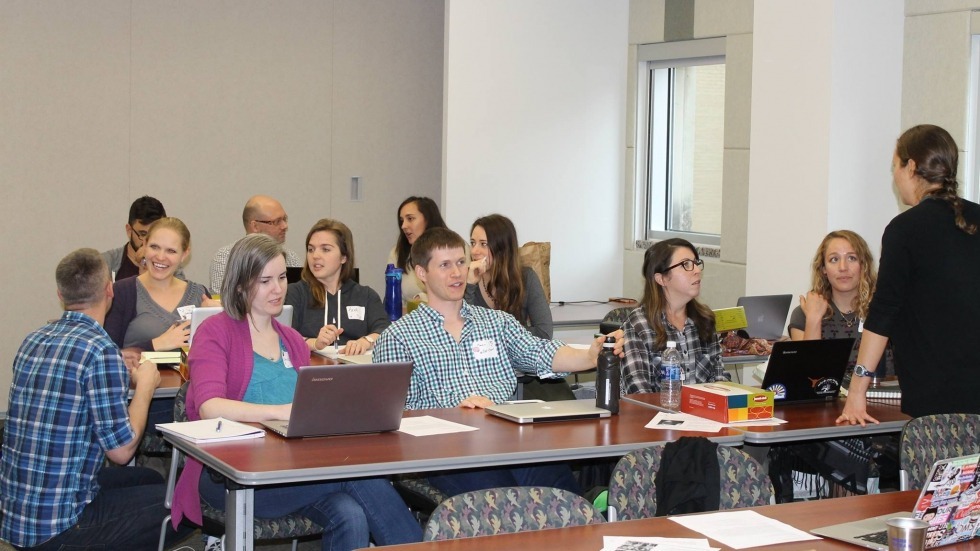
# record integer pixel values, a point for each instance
(671, 344)
(610, 342)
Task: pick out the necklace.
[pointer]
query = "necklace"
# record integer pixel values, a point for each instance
(486, 291)
(847, 322)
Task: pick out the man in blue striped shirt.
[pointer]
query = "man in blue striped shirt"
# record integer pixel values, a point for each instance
(67, 413)
(465, 356)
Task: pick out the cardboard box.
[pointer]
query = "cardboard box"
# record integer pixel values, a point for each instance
(726, 402)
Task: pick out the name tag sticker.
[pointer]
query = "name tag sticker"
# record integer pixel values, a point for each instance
(355, 312)
(286, 362)
(185, 312)
(483, 350)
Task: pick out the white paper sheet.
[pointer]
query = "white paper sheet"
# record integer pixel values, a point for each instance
(686, 421)
(742, 529)
(427, 425)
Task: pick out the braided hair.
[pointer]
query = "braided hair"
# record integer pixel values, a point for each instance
(936, 155)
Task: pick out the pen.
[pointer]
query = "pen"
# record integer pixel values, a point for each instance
(336, 340)
(218, 428)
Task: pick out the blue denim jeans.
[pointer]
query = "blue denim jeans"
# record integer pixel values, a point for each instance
(552, 475)
(125, 514)
(350, 512)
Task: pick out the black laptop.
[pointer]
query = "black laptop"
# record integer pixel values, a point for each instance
(807, 371)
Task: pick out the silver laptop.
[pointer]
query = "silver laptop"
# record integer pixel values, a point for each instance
(346, 399)
(948, 503)
(766, 315)
(538, 412)
(202, 313)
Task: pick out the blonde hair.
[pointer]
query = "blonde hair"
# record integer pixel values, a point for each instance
(867, 279)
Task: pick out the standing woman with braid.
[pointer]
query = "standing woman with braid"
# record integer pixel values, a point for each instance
(926, 301)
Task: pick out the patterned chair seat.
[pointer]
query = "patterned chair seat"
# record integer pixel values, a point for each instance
(633, 493)
(508, 510)
(928, 439)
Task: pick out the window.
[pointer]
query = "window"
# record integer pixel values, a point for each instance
(680, 139)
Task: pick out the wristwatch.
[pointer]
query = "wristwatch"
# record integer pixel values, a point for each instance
(369, 339)
(861, 371)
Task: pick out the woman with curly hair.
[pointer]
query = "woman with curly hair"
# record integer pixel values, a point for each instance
(844, 280)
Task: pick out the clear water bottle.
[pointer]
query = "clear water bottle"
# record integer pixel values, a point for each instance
(670, 382)
(607, 377)
(393, 292)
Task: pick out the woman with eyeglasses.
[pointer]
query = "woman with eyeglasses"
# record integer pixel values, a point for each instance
(670, 311)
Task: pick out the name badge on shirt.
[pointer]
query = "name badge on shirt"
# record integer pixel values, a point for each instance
(286, 362)
(485, 349)
(185, 312)
(355, 312)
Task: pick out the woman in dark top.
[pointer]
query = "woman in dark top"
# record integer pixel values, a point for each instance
(415, 215)
(926, 300)
(329, 307)
(498, 281)
(844, 278)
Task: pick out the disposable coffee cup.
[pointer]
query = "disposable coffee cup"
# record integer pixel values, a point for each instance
(906, 534)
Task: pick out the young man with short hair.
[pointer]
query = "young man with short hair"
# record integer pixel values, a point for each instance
(465, 356)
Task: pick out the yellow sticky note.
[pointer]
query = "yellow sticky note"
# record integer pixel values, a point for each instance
(727, 319)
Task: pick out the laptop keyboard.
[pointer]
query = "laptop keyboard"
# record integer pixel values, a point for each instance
(875, 537)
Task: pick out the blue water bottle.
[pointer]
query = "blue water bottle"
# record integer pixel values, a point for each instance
(393, 292)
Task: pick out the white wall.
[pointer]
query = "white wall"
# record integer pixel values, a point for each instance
(202, 104)
(826, 99)
(534, 129)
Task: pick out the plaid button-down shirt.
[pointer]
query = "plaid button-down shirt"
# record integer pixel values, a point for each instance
(641, 366)
(67, 404)
(492, 345)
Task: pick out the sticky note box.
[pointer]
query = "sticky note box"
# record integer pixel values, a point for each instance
(726, 402)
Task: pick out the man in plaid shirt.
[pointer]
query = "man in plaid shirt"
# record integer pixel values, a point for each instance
(68, 412)
(465, 356)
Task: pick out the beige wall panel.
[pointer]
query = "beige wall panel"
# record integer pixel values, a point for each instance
(64, 101)
(936, 70)
(230, 100)
(920, 7)
(722, 17)
(631, 95)
(735, 201)
(738, 90)
(646, 21)
(387, 118)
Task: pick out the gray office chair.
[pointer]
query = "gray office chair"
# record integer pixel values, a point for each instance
(508, 510)
(633, 493)
(928, 439)
(293, 526)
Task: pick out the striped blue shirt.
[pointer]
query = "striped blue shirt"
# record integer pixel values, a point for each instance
(67, 405)
(492, 345)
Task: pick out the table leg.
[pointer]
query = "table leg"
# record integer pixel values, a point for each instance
(239, 519)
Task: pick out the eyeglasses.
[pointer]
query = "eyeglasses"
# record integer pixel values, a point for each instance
(688, 265)
(277, 222)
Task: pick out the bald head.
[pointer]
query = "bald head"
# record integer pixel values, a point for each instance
(263, 214)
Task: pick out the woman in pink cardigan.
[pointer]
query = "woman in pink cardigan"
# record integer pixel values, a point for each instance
(243, 367)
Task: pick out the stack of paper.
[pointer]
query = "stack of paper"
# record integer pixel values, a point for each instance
(211, 430)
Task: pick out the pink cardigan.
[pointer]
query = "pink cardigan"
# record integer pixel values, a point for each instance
(221, 367)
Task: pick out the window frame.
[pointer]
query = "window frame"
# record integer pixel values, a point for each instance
(687, 53)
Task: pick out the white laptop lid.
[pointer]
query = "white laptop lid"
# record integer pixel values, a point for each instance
(536, 412)
(346, 399)
(202, 313)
